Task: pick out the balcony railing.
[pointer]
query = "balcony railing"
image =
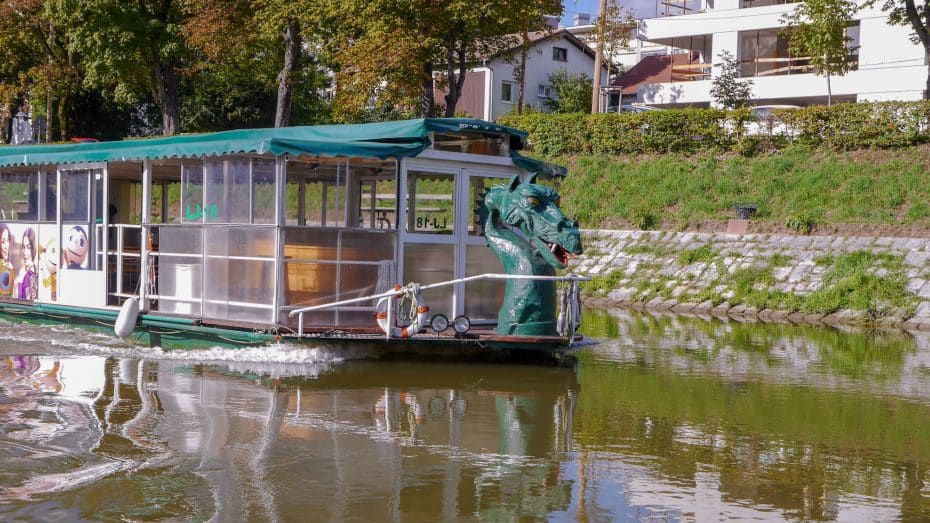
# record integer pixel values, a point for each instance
(758, 67)
(691, 72)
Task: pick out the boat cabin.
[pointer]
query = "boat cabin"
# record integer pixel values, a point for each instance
(241, 227)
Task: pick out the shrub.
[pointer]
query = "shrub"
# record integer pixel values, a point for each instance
(801, 222)
(644, 218)
(842, 126)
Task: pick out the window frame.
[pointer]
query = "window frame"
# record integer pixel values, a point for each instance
(560, 51)
(513, 86)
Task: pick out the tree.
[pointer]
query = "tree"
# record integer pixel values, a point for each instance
(817, 28)
(612, 30)
(572, 92)
(35, 63)
(908, 13)
(387, 52)
(727, 88)
(133, 49)
(528, 19)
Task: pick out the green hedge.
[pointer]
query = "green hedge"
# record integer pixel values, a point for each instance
(841, 126)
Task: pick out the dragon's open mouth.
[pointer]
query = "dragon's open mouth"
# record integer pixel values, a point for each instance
(560, 253)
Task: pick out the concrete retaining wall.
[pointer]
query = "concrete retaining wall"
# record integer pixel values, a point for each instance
(704, 273)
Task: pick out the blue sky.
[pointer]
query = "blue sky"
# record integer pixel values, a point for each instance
(642, 8)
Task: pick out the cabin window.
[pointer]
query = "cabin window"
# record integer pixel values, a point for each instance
(430, 202)
(545, 91)
(192, 191)
(18, 192)
(471, 143)
(51, 197)
(226, 191)
(327, 193)
(478, 186)
(560, 54)
(75, 190)
(263, 191)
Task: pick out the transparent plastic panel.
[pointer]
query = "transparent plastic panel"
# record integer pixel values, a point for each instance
(239, 273)
(180, 240)
(367, 245)
(192, 191)
(477, 187)
(18, 198)
(75, 187)
(179, 269)
(263, 191)
(430, 202)
(430, 263)
(310, 244)
(309, 284)
(240, 241)
(51, 196)
(226, 190)
(483, 298)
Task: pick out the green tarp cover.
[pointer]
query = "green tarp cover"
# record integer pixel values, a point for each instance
(396, 139)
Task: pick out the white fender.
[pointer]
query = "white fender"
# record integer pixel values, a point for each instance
(394, 331)
(126, 321)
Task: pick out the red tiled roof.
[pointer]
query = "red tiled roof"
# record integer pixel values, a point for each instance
(652, 69)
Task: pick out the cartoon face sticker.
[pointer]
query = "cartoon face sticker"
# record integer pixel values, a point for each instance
(75, 247)
(51, 256)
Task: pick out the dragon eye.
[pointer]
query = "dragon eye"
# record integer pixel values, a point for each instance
(532, 200)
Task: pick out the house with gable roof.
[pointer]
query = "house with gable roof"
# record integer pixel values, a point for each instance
(491, 88)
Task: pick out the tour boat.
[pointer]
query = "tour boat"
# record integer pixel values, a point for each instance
(426, 233)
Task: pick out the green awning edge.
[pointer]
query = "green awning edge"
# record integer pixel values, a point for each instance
(382, 140)
(532, 165)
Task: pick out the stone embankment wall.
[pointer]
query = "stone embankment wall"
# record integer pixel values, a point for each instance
(830, 279)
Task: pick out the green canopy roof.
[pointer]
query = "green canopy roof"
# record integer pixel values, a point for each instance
(397, 139)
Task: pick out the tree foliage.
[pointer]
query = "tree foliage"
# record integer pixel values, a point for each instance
(615, 28)
(572, 92)
(727, 88)
(387, 52)
(817, 29)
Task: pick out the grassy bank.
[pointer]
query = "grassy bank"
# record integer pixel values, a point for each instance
(799, 187)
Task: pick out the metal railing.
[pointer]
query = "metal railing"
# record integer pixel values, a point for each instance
(570, 318)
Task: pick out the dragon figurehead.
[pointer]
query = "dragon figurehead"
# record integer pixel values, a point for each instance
(526, 230)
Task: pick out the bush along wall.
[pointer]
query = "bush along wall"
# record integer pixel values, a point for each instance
(842, 127)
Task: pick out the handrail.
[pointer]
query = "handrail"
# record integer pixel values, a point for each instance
(485, 276)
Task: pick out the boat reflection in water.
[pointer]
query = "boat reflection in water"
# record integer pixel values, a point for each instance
(106, 437)
(667, 419)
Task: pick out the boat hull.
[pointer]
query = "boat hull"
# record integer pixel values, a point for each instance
(185, 333)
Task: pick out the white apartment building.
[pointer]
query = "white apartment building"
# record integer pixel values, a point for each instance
(886, 64)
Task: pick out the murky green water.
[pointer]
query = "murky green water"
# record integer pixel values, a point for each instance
(667, 419)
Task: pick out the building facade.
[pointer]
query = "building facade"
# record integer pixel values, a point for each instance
(885, 63)
(493, 89)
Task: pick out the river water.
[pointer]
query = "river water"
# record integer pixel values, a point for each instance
(666, 419)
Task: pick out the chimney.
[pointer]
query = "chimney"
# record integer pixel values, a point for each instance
(581, 19)
(551, 21)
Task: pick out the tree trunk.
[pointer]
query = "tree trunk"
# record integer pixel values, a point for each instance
(167, 98)
(927, 90)
(596, 87)
(4, 122)
(427, 98)
(63, 103)
(48, 117)
(524, 54)
(48, 96)
(829, 89)
(282, 113)
(456, 81)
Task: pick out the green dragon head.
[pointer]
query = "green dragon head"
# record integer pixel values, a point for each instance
(533, 210)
